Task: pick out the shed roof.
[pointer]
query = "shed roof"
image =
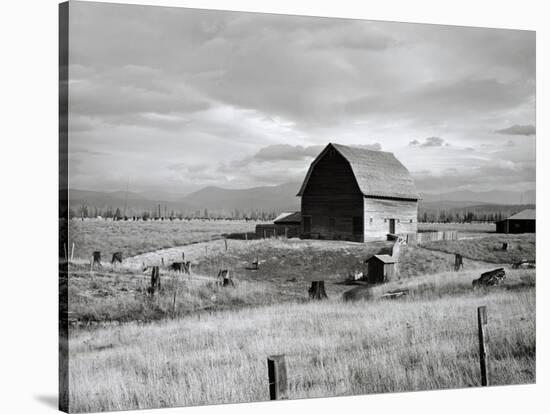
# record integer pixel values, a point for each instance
(288, 218)
(378, 173)
(528, 214)
(385, 258)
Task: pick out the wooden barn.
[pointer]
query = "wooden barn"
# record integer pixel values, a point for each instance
(522, 222)
(351, 193)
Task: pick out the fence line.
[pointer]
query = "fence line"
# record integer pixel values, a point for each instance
(282, 379)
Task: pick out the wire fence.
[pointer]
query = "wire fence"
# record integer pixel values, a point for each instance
(280, 382)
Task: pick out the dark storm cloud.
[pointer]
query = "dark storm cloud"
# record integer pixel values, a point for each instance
(248, 99)
(526, 130)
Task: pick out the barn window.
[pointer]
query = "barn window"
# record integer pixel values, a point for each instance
(370, 220)
(399, 220)
(411, 220)
(385, 220)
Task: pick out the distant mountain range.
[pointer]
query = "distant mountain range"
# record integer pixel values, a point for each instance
(214, 199)
(267, 198)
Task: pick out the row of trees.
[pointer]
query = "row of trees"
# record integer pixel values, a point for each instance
(446, 216)
(85, 211)
(426, 216)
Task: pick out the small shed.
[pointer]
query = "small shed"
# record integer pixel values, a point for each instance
(380, 268)
(288, 224)
(522, 222)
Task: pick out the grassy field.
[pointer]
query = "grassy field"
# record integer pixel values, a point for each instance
(286, 270)
(489, 247)
(460, 227)
(142, 352)
(427, 341)
(135, 237)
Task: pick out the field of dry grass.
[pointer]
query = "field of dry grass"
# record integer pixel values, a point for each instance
(460, 227)
(121, 296)
(215, 337)
(489, 248)
(426, 341)
(286, 270)
(135, 237)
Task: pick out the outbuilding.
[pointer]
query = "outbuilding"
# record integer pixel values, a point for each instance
(522, 222)
(380, 268)
(288, 224)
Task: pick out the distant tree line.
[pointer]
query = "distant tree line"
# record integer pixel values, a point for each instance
(492, 213)
(116, 213)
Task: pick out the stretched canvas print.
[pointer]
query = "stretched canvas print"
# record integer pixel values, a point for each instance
(261, 207)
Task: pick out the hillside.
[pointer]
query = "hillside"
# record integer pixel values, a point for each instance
(269, 198)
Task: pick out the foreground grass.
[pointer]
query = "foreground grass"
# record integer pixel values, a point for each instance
(427, 341)
(136, 237)
(489, 248)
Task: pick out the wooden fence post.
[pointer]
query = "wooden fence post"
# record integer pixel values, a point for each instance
(481, 322)
(276, 371)
(175, 293)
(225, 241)
(72, 252)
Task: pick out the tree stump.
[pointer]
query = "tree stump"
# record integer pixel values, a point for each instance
(117, 257)
(224, 279)
(96, 258)
(317, 290)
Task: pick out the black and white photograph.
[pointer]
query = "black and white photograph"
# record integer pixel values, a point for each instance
(258, 206)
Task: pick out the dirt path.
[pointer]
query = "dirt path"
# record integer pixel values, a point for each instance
(193, 252)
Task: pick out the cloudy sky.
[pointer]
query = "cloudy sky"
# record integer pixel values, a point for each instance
(177, 99)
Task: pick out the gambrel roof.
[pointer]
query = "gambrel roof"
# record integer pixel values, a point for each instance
(378, 173)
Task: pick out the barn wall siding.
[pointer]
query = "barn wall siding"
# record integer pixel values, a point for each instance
(332, 198)
(403, 211)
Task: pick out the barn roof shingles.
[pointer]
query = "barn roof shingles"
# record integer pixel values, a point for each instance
(378, 173)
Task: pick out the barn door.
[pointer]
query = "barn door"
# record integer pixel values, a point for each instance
(392, 226)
